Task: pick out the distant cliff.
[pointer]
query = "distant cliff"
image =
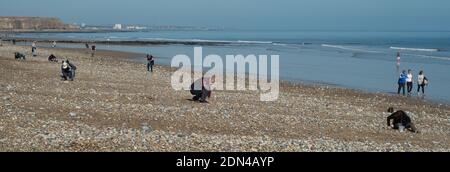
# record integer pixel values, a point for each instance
(33, 24)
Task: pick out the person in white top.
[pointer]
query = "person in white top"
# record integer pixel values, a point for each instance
(409, 81)
(33, 48)
(421, 82)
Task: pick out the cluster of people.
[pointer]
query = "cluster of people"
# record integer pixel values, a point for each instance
(406, 82)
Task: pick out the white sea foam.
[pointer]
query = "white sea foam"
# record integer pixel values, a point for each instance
(349, 48)
(414, 49)
(431, 57)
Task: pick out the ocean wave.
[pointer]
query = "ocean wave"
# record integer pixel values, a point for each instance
(208, 41)
(349, 48)
(426, 56)
(414, 49)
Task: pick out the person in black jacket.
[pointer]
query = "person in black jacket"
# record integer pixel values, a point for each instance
(400, 118)
(200, 89)
(52, 58)
(73, 68)
(66, 72)
(18, 55)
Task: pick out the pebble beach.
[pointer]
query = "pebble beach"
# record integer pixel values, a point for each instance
(114, 104)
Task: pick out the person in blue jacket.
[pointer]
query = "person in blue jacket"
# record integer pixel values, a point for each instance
(402, 82)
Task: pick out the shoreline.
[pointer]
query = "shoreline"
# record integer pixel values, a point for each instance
(113, 98)
(136, 56)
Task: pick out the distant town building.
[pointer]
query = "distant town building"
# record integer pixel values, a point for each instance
(83, 25)
(136, 27)
(117, 27)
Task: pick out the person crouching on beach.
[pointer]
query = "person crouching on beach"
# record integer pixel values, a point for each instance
(402, 82)
(52, 58)
(73, 68)
(66, 72)
(409, 81)
(150, 62)
(400, 119)
(201, 90)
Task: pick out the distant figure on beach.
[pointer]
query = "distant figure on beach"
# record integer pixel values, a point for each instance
(409, 81)
(93, 48)
(66, 72)
(52, 58)
(1, 41)
(14, 41)
(203, 90)
(402, 82)
(400, 120)
(422, 81)
(18, 55)
(150, 62)
(54, 44)
(398, 61)
(87, 45)
(33, 48)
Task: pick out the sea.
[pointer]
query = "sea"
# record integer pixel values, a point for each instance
(361, 60)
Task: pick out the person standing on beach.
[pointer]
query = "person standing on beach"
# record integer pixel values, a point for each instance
(402, 82)
(150, 62)
(33, 48)
(1, 41)
(14, 41)
(421, 82)
(54, 44)
(93, 48)
(409, 81)
(398, 61)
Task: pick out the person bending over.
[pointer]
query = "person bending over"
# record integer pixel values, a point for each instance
(18, 55)
(201, 90)
(66, 72)
(52, 58)
(400, 118)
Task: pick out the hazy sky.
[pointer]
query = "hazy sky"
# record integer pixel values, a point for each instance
(247, 14)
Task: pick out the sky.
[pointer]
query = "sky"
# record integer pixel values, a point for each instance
(385, 15)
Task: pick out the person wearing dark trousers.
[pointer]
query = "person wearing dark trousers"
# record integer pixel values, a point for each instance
(200, 89)
(400, 118)
(421, 82)
(402, 82)
(409, 81)
(150, 62)
(66, 72)
(73, 68)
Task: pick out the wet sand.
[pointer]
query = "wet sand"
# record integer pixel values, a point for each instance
(115, 105)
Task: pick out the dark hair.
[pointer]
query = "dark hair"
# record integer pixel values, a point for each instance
(421, 72)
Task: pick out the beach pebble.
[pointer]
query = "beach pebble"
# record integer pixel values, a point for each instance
(72, 114)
